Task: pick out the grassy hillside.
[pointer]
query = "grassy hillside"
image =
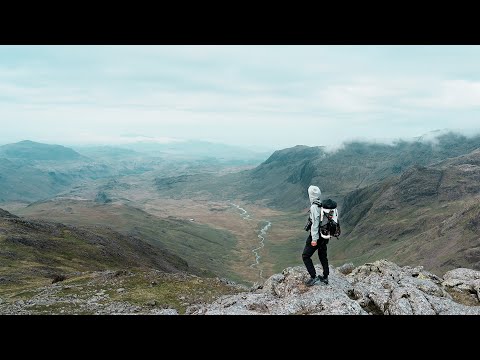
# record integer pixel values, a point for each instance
(207, 249)
(32, 251)
(52, 268)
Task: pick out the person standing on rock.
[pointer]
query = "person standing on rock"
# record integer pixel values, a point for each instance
(315, 241)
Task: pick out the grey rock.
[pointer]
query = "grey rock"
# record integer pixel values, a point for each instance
(409, 300)
(444, 306)
(151, 303)
(164, 312)
(118, 308)
(346, 268)
(286, 294)
(120, 290)
(381, 287)
(196, 308)
(463, 280)
(273, 284)
(462, 274)
(256, 286)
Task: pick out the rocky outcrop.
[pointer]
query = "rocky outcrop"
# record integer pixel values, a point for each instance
(378, 288)
(346, 269)
(381, 288)
(464, 281)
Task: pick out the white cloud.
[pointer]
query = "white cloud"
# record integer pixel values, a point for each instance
(449, 94)
(241, 94)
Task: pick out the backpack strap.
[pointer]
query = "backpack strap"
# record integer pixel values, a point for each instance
(317, 202)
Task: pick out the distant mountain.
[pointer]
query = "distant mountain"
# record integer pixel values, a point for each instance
(23, 182)
(193, 149)
(29, 150)
(282, 180)
(354, 166)
(427, 215)
(31, 171)
(108, 152)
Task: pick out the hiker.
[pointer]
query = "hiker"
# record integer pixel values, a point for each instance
(314, 240)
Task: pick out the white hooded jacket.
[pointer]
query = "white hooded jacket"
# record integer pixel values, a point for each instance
(314, 193)
(316, 213)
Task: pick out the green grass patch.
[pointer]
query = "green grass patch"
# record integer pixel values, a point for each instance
(169, 292)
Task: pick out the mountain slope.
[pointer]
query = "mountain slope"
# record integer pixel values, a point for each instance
(428, 215)
(208, 250)
(30, 150)
(23, 182)
(354, 166)
(32, 250)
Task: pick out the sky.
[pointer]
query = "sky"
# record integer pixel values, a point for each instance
(260, 97)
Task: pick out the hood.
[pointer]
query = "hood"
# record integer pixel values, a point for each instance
(314, 193)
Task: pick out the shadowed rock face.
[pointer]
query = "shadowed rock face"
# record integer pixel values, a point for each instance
(381, 288)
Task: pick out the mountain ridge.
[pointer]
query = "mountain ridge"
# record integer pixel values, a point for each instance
(428, 215)
(281, 181)
(30, 150)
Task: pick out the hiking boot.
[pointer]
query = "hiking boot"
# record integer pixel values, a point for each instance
(312, 281)
(323, 279)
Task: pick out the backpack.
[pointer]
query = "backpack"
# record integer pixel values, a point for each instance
(332, 227)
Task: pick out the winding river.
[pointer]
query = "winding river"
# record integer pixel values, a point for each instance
(261, 236)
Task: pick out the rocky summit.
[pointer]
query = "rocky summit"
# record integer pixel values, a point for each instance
(378, 288)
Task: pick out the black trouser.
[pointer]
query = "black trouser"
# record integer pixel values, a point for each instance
(322, 255)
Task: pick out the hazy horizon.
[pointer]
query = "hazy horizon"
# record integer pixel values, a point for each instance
(257, 97)
(136, 140)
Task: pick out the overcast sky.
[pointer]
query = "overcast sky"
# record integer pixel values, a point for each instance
(271, 96)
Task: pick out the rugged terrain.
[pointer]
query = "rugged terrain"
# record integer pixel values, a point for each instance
(48, 267)
(379, 288)
(428, 216)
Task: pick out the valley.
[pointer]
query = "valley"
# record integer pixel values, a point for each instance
(245, 223)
